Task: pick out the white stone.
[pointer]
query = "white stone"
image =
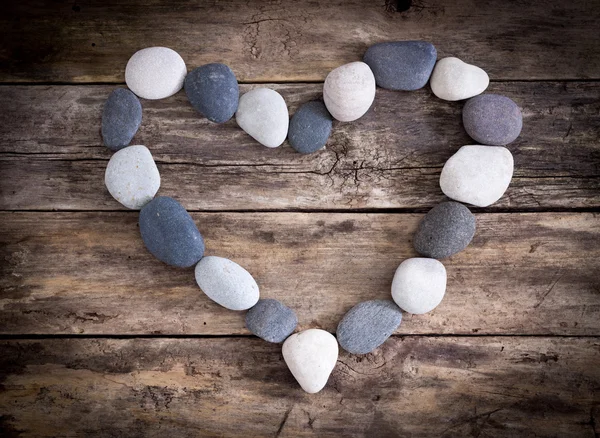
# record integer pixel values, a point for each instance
(132, 177)
(453, 79)
(419, 285)
(477, 175)
(226, 283)
(155, 72)
(349, 91)
(263, 114)
(311, 356)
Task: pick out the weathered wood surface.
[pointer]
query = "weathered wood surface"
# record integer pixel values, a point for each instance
(51, 153)
(90, 273)
(411, 386)
(264, 41)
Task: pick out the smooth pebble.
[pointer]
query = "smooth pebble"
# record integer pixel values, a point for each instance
(492, 119)
(271, 320)
(263, 114)
(453, 79)
(349, 91)
(155, 72)
(213, 90)
(310, 127)
(419, 285)
(121, 118)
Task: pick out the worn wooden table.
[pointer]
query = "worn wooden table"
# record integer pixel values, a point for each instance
(101, 339)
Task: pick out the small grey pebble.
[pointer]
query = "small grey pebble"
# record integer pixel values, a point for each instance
(271, 320)
(491, 119)
(310, 127)
(121, 118)
(213, 90)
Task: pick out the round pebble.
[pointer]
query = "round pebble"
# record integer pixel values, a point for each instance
(155, 72)
(446, 229)
(121, 118)
(226, 283)
(213, 90)
(311, 356)
(368, 325)
(132, 177)
(349, 91)
(453, 79)
(477, 175)
(419, 285)
(310, 127)
(492, 119)
(170, 234)
(271, 320)
(401, 65)
(263, 114)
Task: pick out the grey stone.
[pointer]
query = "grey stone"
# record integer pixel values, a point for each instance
(271, 320)
(492, 119)
(121, 118)
(446, 229)
(310, 127)
(367, 325)
(213, 90)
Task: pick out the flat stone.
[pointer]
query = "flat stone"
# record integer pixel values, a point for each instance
(170, 234)
(367, 325)
(121, 118)
(311, 356)
(446, 229)
(226, 283)
(492, 119)
(453, 79)
(132, 177)
(213, 90)
(263, 114)
(349, 91)
(401, 65)
(310, 127)
(477, 175)
(271, 320)
(155, 72)
(419, 285)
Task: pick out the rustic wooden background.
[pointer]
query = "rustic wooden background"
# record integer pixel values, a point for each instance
(100, 339)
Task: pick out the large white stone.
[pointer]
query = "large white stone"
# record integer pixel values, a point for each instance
(311, 356)
(419, 285)
(132, 177)
(155, 72)
(263, 114)
(453, 79)
(477, 175)
(349, 91)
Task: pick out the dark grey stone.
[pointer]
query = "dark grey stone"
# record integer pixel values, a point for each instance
(491, 119)
(271, 320)
(367, 325)
(170, 234)
(121, 118)
(446, 229)
(213, 90)
(310, 127)
(401, 65)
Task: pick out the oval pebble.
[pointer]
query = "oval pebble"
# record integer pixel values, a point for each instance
(121, 118)
(170, 234)
(349, 91)
(213, 90)
(453, 79)
(132, 177)
(311, 356)
(263, 114)
(271, 320)
(310, 127)
(446, 229)
(419, 285)
(477, 175)
(155, 72)
(226, 283)
(401, 65)
(492, 119)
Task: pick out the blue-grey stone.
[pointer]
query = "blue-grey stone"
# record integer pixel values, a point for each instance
(446, 229)
(271, 320)
(170, 234)
(401, 65)
(367, 325)
(121, 118)
(491, 119)
(213, 90)
(310, 127)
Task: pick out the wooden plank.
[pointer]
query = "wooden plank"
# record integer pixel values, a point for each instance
(51, 154)
(90, 273)
(295, 41)
(411, 386)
